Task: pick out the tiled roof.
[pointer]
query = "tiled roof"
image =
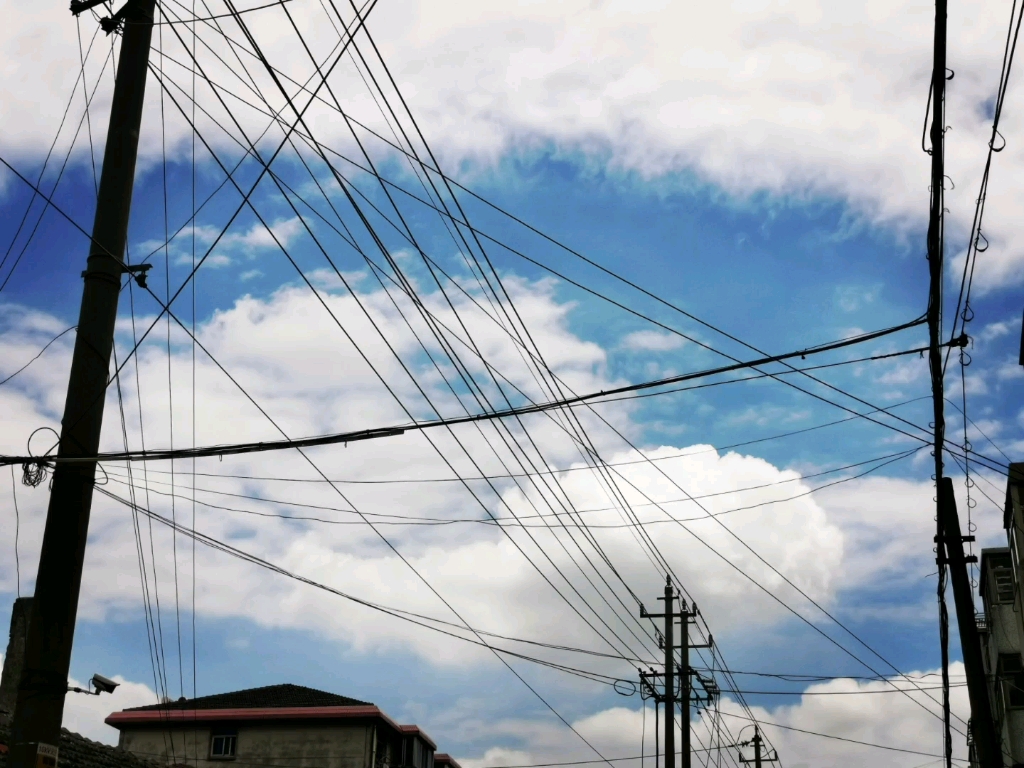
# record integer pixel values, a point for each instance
(79, 752)
(268, 697)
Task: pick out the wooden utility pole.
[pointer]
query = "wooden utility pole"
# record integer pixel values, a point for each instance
(39, 709)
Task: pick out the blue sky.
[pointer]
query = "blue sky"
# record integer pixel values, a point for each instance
(782, 230)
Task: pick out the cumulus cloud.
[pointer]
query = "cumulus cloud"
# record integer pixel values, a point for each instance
(84, 714)
(806, 99)
(516, 579)
(842, 723)
(489, 545)
(652, 341)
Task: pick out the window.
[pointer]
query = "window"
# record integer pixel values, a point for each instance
(1014, 685)
(222, 746)
(1011, 672)
(1002, 579)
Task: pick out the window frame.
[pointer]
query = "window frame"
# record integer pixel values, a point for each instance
(1003, 585)
(229, 738)
(1013, 686)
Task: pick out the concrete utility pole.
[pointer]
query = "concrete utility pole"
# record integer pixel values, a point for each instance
(39, 709)
(669, 695)
(684, 682)
(986, 740)
(670, 683)
(934, 315)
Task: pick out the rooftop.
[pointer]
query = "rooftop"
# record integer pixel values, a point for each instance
(267, 697)
(272, 703)
(79, 752)
(442, 760)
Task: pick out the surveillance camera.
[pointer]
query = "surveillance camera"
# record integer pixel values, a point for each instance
(103, 684)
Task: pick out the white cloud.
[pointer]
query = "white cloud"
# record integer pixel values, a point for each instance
(909, 725)
(213, 261)
(84, 714)
(850, 298)
(866, 712)
(806, 98)
(283, 231)
(884, 522)
(301, 368)
(1010, 370)
(651, 341)
(994, 331)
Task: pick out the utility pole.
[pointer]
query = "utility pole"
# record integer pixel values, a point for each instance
(684, 682)
(39, 709)
(670, 684)
(982, 726)
(669, 696)
(934, 316)
(757, 742)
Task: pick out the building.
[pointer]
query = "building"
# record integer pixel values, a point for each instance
(278, 726)
(1001, 624)
(441, 760)
(76, 751)
(999, 630)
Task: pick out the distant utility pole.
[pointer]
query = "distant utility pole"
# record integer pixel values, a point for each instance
(39, 708)
(669, 696)
(757, 742)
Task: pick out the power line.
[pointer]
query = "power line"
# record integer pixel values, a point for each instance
(517, 520)
(368, 434)
(38, 354)
(407, 616)
(838, 738)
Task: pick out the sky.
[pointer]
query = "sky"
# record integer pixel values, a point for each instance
(654, 189)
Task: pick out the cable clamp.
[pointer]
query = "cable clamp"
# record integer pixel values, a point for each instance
(138, 271)
(111, 24)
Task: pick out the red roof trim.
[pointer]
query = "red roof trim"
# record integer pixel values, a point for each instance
(442, 758)
(187, 716)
